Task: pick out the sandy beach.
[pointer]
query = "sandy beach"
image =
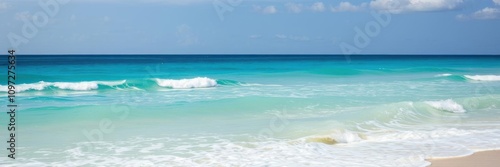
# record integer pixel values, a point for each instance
(483, 159)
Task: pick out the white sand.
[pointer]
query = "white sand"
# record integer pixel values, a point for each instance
(479, 159)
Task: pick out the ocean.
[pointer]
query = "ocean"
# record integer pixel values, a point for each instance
(251, 110)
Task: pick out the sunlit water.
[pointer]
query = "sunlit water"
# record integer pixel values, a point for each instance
(252, 110)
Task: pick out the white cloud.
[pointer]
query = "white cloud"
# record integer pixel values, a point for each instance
(265, 10)
(348, 7)
(486, 13)
(496, 2)
(294, 7)
(280, 36)
(169, 2)
(400, 6)
(461, 17)
(181, 2)
(269, 10)
(165, 2)
(297, 7)
(318, 7)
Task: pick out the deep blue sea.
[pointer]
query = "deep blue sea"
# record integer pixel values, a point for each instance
(251, 110)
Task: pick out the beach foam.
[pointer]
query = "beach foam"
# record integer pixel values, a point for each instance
(338, 137)
(389, 148)
(444, 75)
(447, 105)
(483, 77)
(76, 86)
(199, 82)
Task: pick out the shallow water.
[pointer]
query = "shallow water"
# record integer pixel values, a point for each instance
(253, 110)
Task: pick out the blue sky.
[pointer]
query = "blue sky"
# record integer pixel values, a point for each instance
(251, 27)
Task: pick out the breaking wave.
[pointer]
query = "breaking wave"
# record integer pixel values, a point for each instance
(147, 84)
(469, 77)
(76, 86)
(447, 105)
(199, 82)
(483, 77)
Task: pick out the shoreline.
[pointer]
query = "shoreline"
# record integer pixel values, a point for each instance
(490, 158)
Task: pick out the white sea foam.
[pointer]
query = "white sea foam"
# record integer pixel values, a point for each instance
(77, 86)
(199, 82)
(32, 86)
(111, 83)
(346, 137)
(444, 75)
(389, 148)
(483, 77)
(447, 105)
(24, 87)
(337, 137)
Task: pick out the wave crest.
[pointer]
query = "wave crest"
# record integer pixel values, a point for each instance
(483, 77)
(77, 86)
(447, 105)
(148, 84)
(198, 82)
(469, 78)
(444, 75)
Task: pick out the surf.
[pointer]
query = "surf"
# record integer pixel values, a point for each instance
(198, 82)
(469, 78)
(483, 77)
(73, 86)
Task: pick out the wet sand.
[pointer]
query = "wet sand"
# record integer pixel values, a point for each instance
(483, 159)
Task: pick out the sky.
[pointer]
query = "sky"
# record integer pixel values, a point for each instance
(250, 27)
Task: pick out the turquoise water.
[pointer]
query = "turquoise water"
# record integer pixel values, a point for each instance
(252, 110)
